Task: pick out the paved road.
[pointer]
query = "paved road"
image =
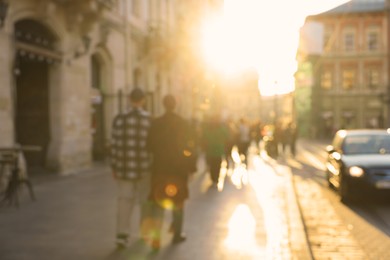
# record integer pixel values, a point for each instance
(252, 215)
(335, 230)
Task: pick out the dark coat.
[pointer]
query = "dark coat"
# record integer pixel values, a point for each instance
(169, 142)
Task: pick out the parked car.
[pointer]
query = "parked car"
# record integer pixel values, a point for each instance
(359, 162)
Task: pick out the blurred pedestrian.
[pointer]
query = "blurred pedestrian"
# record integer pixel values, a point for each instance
(277, 137)
(290, 134)
(244, 139)
(256, 135)
(173, 150)
(231, 142)
(284, 138)
(215, 137)
(130, 162)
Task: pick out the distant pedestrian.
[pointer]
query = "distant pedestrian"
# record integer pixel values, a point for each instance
(130, 162)
(215, 137)
(244, 139)
(173, 150)
(290, 134)
(278, 137)
(231, 142)
(256, 132)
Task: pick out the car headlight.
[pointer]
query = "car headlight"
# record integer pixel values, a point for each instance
(356, 171)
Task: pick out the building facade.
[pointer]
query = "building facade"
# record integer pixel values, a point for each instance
(350, 76)
(310, 48)
(66, 69)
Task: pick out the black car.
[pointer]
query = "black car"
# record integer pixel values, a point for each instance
(359, 162)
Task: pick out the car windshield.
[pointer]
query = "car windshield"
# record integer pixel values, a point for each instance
(367, 144)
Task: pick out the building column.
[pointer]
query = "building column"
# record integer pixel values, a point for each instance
(6, 89)
(70, 148)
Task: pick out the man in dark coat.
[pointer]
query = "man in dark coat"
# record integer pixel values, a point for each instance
(172, 149)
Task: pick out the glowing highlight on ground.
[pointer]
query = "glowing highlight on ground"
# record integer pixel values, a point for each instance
(242, 232)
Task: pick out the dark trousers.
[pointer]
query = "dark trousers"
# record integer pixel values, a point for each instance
(157, 215)
(177, 223)
(214, 163)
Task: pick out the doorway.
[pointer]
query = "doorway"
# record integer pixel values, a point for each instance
(34, 57)
(32, 109)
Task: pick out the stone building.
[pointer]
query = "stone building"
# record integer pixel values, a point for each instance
(66, 68)
(350, 76)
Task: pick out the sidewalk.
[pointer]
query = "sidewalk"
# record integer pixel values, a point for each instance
(252, 215)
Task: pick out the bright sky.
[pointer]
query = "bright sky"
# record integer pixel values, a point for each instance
(262, 34)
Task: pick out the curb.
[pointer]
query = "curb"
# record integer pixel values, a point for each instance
(300, 246)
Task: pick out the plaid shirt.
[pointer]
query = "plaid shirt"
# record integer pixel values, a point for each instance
(129, 157)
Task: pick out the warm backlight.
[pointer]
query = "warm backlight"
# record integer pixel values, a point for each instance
(259, 34)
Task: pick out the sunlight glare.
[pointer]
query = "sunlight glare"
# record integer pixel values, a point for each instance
(239, 176)
(213, 37)
(242, 231)
(266, 185)
(261, 34)
(235, 155)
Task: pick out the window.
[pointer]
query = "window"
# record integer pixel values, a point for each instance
(373, 120)
(373, 41)
(373, 37)
(349, 41)
(349, 34)
(367, 144)
(326, 79)
(348, 78)
(373, 77)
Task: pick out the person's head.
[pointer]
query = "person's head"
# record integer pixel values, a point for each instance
(137, 97)
(169, 103)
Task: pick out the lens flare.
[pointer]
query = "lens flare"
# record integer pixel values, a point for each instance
(187, 153)
(171, 190)
(167, 204)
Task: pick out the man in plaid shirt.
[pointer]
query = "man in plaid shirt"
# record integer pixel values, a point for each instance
(130, 161)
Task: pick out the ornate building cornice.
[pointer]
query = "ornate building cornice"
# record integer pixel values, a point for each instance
(82, 15)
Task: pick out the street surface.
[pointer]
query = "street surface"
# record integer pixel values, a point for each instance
(337, 231)
(270, 209)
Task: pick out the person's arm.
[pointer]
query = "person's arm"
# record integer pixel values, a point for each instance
(115, 138)
(150, 143)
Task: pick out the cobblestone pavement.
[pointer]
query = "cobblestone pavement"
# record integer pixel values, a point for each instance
(252, 214)
(334, 231)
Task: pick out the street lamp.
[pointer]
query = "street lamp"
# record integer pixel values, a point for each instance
(3, 12)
